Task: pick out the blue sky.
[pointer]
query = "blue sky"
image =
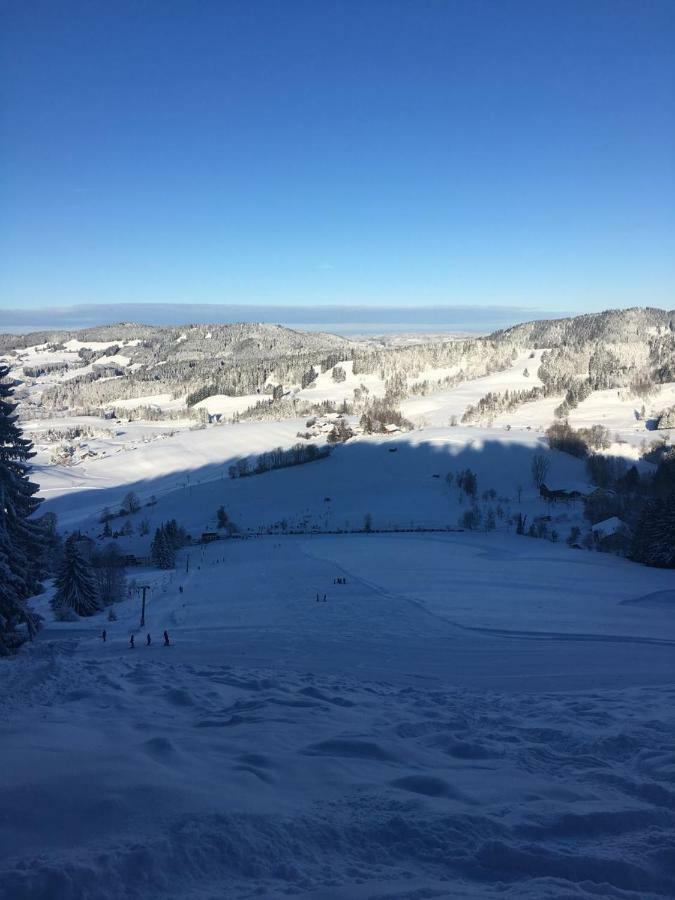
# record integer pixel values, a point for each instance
(384, 153)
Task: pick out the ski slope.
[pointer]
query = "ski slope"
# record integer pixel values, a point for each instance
(437, 727)
(438, 408)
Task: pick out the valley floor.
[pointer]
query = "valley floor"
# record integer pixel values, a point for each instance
(467, 716)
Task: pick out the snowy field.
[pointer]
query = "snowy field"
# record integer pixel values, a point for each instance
(438, 408)
(616, 410)
(188, 475)
(440, 726)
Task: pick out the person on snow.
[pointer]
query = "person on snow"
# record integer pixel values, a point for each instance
(166, 638)
(104, 635)
(131, 641)
(148, 640)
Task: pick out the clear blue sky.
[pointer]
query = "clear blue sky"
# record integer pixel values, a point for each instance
(373, 151)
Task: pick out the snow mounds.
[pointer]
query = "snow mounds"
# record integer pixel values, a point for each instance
(574, 798)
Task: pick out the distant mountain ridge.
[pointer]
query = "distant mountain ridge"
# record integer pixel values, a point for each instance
(632, 348)
(611, 326)
(267, 335)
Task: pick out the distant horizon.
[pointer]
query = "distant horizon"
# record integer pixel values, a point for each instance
(338, 318)
(344, 320)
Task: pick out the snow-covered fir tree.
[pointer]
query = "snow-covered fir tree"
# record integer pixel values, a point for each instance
(76, 586)
(20, 536)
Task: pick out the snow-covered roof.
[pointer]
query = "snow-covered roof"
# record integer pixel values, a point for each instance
(609, 526)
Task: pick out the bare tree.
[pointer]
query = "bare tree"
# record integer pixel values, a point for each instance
(130, 504)
(540, 467)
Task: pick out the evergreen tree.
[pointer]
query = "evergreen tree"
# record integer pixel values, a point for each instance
(175, 535)
(162, 550)
(158, 546)
(76, 585)
(654, 537)
(21, 538)
(222, 517)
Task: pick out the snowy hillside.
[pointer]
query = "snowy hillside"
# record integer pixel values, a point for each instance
(398, 666)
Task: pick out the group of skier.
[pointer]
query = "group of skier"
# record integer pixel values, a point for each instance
(132, 640)
(339, 579)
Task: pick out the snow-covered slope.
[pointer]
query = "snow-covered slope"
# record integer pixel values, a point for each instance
(188, 474)
(439, 408)
(436, 727)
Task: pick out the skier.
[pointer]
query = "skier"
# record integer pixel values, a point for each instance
(148, 640)
(180, 589)
(166, 638)
(131, 642)
(104, 635)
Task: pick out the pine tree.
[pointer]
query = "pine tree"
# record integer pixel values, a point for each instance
(172, 532)
(76, 587)
(654, 535)
(20, 536)
(654, 538)
(157, 546)
(162, 549)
